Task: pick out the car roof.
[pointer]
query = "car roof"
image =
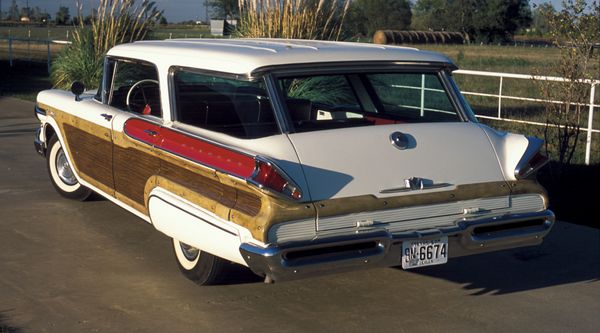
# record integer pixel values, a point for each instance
(243, 56)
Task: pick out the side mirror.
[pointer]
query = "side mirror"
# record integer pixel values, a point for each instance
(77, 88)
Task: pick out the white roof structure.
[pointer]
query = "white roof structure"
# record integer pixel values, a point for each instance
(242, 56)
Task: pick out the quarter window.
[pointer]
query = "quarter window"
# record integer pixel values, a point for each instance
(234, 107)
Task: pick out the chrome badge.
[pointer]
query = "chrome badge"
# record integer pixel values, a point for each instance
(399, 140)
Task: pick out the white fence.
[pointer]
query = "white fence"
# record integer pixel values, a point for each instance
(30, 50)
(500, 96)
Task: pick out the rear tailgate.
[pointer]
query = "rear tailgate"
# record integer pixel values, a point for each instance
(359, 161)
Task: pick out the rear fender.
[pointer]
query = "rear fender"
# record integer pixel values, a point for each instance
(195, 226)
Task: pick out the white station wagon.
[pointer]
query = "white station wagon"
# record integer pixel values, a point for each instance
(294, 158)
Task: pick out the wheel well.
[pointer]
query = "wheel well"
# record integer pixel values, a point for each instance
(49, 132)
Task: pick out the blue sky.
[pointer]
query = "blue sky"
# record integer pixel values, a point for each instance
(175, 10)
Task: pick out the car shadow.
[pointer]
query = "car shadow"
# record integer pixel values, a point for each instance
(570, 254)
(4, 326)
(237, 274)
(326, 183)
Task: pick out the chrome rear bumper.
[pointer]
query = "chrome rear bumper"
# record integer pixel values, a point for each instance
(379, 248)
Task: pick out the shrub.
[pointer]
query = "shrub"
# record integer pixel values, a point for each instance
(575, 31)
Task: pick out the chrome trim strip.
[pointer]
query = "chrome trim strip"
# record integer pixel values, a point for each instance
(251, 181)
(409, 188)
(399, 220)
(37, 110)
(379, 248)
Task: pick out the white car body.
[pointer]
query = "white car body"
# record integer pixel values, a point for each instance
(300, 186)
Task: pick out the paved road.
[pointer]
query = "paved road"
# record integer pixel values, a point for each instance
(92, 267)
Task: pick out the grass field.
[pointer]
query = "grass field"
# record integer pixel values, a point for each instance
(569, 201)
(508, 59)
(65, 32)
(36, 32)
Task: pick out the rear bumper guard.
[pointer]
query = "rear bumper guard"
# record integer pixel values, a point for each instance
(379, 248)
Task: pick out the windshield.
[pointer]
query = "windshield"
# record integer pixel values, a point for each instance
(342, 100)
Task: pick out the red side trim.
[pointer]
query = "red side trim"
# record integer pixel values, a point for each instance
(383, 121)
(207, 153)
(144, 131)
(194, 149)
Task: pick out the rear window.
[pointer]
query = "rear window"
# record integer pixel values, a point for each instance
(343, 100)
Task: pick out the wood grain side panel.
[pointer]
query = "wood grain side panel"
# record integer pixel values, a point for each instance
(91, 154)
(132, 169)
(365, 203)
(204, 186)
(247, 203)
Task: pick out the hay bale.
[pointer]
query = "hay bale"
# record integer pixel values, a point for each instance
(417, 37)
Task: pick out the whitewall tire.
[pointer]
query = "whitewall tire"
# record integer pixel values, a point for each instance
(201, 267)
(61, 173)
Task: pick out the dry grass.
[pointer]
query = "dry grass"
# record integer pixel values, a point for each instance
(114, 22)
(118, 22)
(302, 19)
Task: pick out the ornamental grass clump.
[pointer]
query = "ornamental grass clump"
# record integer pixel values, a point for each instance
(113, 22)
(302, 19)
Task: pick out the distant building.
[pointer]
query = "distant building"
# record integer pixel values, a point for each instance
(222, 27)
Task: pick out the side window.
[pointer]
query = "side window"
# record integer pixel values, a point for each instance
(134, 87)
(413, 97)
(234, 107)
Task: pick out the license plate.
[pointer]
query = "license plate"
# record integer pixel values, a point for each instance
(424, 253)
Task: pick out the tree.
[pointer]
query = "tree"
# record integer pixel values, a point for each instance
(485, 20)
(575, 30)
(224, 8)
(39, 15)
(25, 12)
(498, 20)
(62, 16)
(539, 18)
(13, 11)
(368, 16)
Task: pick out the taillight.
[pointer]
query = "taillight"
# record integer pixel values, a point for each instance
(532, 160)
(268, 176)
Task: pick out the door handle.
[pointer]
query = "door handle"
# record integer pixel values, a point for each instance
(107, 116)
(151, 132)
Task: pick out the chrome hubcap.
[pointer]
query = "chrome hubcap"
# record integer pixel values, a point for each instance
(190, 252)
(64, 169)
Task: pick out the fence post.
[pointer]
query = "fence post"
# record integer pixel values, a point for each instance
(49, 55)
(29, 45)
(422, 95)
(10, 51)
(588, 144)
(500, 99)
